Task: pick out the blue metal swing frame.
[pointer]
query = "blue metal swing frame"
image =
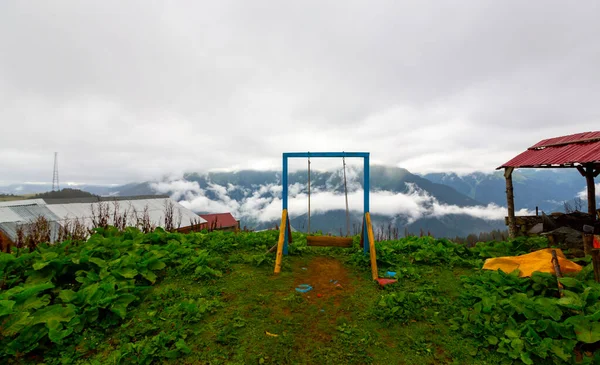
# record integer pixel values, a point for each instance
(284, 179)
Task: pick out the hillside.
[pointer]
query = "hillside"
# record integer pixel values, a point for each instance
(544, 188)
(439, 203)
(63, 194)
(410, 200)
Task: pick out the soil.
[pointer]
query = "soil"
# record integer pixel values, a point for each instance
(328, 277)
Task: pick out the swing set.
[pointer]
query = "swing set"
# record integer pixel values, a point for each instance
(285, 233)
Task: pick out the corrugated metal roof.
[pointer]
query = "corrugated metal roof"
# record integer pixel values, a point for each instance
(12, 203)
(156, 209)
(25, 213)
(92, 199)
(569, 150)
(7, 215)
(585, 136)
(222, 220)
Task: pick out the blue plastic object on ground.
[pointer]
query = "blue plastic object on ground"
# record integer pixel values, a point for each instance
(303, 288)
(390, 274)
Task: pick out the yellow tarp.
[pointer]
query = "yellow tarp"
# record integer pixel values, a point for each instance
(535, 261)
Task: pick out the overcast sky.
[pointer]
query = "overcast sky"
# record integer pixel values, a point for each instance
(130, 90)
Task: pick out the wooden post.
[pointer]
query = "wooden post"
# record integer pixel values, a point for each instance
(510, 202)
(591, 190)
(280, 242)
(558, 272)
(372, 251)
(588, 239)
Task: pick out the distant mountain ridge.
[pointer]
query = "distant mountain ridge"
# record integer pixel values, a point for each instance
(547, 189)
(440, 203)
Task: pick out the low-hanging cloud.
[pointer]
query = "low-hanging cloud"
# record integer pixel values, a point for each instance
(264, 204)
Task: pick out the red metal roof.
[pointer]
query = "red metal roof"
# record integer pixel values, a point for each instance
(577, 148)
(220, 220)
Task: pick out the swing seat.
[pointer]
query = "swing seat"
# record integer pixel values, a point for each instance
(329, 241)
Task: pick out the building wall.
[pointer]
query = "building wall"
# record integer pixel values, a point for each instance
(5, 242)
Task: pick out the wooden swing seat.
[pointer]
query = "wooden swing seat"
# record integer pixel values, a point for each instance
(329, 241)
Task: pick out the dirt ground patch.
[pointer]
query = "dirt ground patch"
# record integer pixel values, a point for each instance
(328, 278)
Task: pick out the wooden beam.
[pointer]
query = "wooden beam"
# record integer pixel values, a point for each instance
(510, 202)
(597, 171)
(582, 171)
(591, 191)
(329, 241)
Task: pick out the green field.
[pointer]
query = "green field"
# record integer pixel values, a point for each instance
(212, 298)
(8, 198)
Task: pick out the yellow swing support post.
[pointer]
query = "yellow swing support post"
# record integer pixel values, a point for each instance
(282, 231)
(372, 251)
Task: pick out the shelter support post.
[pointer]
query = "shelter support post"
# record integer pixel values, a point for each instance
(591, 190)
(589, 173)
(510, 202)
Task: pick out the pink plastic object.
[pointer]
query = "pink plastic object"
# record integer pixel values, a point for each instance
(384, 282)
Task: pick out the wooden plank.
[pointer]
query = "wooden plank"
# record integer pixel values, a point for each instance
(329, 241)
(372, 251)
(282, 229)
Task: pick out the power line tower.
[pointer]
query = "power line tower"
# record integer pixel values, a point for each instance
(55, 175)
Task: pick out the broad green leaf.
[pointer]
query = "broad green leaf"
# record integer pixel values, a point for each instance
(55, 331)
(569, 282)
(548, 307)
(27, 340)
(32, 290)
(558, 349)
(126, 273)
(511, 333)
(156, 265)
(35, 302)
(570, 300)
(67, 295)
(119, 306)
(149, 275)
(526, 358)
(98, 261)
(56, 312)
(492, 340)
(15, 323)
(40, 265)
(6, 307)
(587, 331)
(50, 255)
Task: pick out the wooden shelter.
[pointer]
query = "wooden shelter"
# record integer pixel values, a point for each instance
(580, 151)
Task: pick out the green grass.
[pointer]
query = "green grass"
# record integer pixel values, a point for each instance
(337, 328)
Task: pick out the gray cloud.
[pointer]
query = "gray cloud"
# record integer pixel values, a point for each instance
(134, 90)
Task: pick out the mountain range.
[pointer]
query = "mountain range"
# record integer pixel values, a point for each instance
(443, 204)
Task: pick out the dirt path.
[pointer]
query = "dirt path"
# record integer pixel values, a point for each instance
(328, 278)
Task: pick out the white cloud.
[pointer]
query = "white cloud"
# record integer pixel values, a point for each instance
(264, 204)
(583, 194)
